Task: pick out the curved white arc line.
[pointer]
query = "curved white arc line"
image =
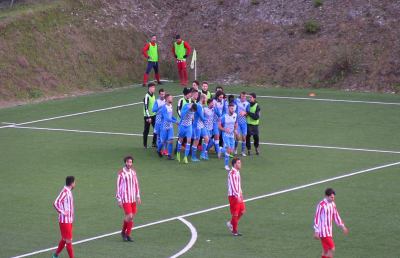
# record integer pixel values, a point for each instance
(192, 241)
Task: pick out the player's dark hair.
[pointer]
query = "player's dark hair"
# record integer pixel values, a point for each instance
(160, 90)
(253, 95)
(196, 82)
(128, 158)
(243, 93)
(167, 95)
(329, 191)
(219, 93)
(219, 88)
(231, 98)
(205, 82)
(234, 160)
(151, 84)
(177, 36)
(209, 101)
(193, 108)
(69, 180)
(231, 105)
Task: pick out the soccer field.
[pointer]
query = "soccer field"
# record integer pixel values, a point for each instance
(348, 141)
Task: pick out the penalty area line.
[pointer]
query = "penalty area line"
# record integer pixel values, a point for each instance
(226, 205)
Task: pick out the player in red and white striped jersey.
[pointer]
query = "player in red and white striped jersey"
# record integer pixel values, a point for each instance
(128, 194)
(235, 196)
(64, 204)
(326, 213)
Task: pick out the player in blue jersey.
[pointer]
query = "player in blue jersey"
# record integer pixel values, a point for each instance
(159, 103)
(167, 127)
(200, 131)
(219, 104)
(242, 105)
(185, 129)
(228, 126)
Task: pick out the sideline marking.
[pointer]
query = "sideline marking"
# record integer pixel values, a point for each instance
(266, 96)
(222, 206)
(262, 143)
(192, 241)
(333, 100)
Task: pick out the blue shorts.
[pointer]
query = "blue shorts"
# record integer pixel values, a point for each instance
(215, 129)
(167, 134)
(229, 142)
(152, 65)
(242, 128)
(185, 131)
(157, 127)
(197, 133)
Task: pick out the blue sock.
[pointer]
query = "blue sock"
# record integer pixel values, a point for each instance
(226, 158)
(243, 146)
(187, 149)
(159, 146)
(223, 150)
(170, 148)
(236, 144)
(178, 147)
(194, 150)
(210, 144)
(216, 144)
(204, 151)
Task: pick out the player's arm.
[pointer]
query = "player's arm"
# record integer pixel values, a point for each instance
(255, 115)
(339, 221)
(58, 203)
(188, 49)
(179, 107)
(146, 106)
(185, 109)
(138, 200)
(200, 112)
(119, 189)
(155, 107)
(317, 217)
(145, 49)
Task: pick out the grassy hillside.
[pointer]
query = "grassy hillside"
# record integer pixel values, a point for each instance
(55, 48)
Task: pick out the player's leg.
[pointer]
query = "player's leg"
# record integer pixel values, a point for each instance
(146, 74)
(162, 135)
(156, 72)
(229, 143)
(145, 132)
(204, 152)
(170, 142)
(180, 72)
(184, 73)
(153, 122)
(196, 137)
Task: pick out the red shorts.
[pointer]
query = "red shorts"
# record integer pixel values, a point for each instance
(129, 208)
(327, 243)
(237, 207)
(66, 230)
(181, 64)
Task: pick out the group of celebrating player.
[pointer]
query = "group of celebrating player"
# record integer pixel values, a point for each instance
(205, 121)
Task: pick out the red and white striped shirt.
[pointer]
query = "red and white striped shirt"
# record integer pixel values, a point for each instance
(234, 184)
(127, 186)
(64, 204)
(326, 212)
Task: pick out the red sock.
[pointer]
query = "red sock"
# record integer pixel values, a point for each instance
(70, 250)
(157, 75)
(129, 228)
(145, 78)
(60, 247)
(124, 226)
(234, 222)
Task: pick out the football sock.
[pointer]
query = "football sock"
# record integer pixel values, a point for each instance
(124, 226)
(178, 147)
(129, 227)
(60, 247)
(226, 158)
(234, 222)
(187, 149)
(194, 151)
(216, 144)
(70, 250)
(157, 75)
(210, 144)
(204, 151)
(243, 146)
(159, 146)
(145, 78)
(170, 147)
(236, 144)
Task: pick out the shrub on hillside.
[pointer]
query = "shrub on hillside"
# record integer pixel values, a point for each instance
(318, 3)
(312, 26)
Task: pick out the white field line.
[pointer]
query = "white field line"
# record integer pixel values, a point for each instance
(75, 114)
(192, 241)
(262, 143)
(272, 97)
(223, 206)
(333, 100)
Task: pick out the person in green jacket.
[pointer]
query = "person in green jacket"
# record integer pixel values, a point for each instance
(253, 120)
